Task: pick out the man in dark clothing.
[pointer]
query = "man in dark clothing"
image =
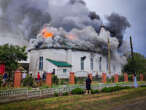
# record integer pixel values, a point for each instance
(88, 85)
(44, 76)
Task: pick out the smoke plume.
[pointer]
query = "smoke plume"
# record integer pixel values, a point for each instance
(73, 25)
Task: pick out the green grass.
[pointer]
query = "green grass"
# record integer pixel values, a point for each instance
(102, 101)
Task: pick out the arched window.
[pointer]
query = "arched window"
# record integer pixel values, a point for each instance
(41, 63)
(91, 63)
(100, 60)
(82, 62)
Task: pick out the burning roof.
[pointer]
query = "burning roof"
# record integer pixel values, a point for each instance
(67, 24)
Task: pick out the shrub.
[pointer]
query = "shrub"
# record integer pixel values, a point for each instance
(121, 78)
(77, 91)
(28, 81)
(94, 91)
(55, 80)
(144, 76)
(56, 94)
(111, 89)
(44, 86)
(143, 86)
(65, 93)
(64, 81)
(110, 79)
(80, 80)
(130, 77)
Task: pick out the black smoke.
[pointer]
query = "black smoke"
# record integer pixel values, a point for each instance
(28, 17)
(24, 16)
(117, 25)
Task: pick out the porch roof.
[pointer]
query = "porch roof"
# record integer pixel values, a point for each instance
(59, 63)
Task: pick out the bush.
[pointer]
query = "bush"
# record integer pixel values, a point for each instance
(28, 81)
(80, 80)
(56, 94)
(121, 78)
(144, 76)
(55, 80)
(143, 86)
(110, 79)
(77, 91)
(64, 81)
(65, 93)
(44, 86)
(94, 91)
(111, 89)
(130, 77)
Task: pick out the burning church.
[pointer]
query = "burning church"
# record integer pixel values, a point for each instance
(67, 36)
(62, 52)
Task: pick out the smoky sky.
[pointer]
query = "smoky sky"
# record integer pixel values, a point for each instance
(133, 10)
(24, 19)
(27, 17)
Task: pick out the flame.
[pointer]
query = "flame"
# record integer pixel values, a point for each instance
(71, 37)
(46, 34)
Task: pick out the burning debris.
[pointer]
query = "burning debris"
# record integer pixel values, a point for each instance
(69, 24)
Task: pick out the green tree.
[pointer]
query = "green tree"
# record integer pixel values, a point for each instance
(10, 55)
(137, 65)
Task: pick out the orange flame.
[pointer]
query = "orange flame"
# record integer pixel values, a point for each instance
(46, 34)
(71, 37)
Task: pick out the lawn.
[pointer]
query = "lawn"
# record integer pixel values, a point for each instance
(102, 101)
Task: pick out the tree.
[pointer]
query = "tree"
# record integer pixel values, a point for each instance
(10, 55)
(137, 65)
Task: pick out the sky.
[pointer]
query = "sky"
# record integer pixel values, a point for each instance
(134, 10)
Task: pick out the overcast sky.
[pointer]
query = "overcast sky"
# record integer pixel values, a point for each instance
(134, 10)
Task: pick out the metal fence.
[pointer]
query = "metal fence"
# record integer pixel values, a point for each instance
(18, 94)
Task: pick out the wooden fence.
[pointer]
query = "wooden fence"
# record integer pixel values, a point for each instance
(25, 93)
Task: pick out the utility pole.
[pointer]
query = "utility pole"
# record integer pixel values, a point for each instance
(132, 55)
(109, 58)
(131, 45)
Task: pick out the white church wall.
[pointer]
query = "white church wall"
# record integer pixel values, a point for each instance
(74, 58)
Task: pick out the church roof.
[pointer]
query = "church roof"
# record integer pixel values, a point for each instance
(59, 63)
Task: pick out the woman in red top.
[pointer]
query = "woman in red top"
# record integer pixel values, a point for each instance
(38, 77)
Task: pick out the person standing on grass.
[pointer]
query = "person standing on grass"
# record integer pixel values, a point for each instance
(24, 76)
(135, 81)
(5, 76)
(38, 77)
(88, 85)
(44, 76)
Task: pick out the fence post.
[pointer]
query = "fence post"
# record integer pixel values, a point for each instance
(40, 93)
(27, 93)
(72, 78)
(103, 77)
(141, 77)
(125, 77)
(17, 79)
(49, 79)
(116, 78)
